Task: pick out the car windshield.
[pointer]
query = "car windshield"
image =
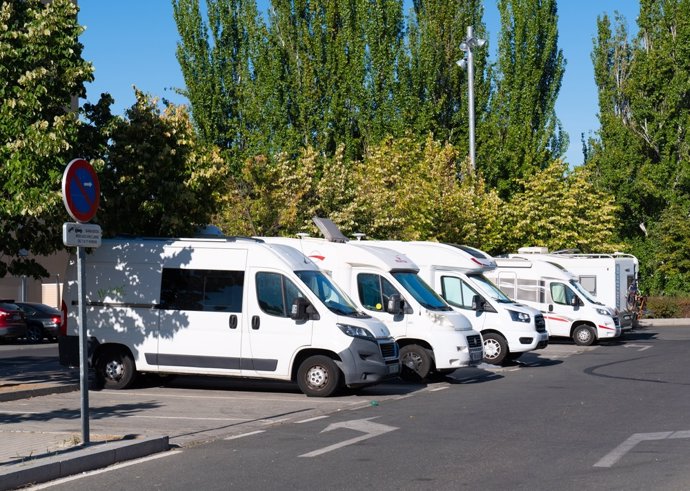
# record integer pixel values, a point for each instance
(421, 292)
(489, 289)
(581, 290)
(332, 297)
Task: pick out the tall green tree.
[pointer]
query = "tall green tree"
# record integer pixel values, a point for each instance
(522, 134)
(217, 54)
(437, 99)
(641, 153)
(41, 72)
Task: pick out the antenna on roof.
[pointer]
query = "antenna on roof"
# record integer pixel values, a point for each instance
(329, 230)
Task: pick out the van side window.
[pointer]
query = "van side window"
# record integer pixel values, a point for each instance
(202, 290)
(276, 293)
(561, 294)
(457, 292)
(374, 291)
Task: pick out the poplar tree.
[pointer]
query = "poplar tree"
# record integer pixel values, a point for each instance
(523, 134)
(437, 99)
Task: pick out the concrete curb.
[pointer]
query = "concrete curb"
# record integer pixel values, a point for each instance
(79, 459)
(37, 390)
(662, 322)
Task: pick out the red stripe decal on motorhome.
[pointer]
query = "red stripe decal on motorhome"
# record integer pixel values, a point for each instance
(554, 318)
(320, 258)
(607, 327)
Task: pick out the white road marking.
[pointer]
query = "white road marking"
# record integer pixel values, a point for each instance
(364, 425)
(235, 437)
(311, 419)
(641, 347)
(617, 453)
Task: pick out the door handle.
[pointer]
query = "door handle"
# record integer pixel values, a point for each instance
(255, 322)
(232, 321)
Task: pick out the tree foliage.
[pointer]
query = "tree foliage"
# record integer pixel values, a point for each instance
(560, 210)
(641, 153)
(523, 134)
(41, 70)
(156, 178)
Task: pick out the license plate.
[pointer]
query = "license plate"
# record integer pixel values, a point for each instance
(393, 368)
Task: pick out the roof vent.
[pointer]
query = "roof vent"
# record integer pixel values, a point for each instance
(533, 250)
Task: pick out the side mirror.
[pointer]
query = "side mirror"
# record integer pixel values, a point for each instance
(396, 305)
(299, 310)
(478, 303)
(575, 302)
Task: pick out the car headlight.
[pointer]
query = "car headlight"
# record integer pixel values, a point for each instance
(519, 316)
(355, 331)
(603, 312)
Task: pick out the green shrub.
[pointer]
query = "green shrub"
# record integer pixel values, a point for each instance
(667, 307)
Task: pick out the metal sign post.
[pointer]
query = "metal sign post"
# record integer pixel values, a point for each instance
(81, 195)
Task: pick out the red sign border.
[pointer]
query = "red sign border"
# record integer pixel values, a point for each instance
(70, 171)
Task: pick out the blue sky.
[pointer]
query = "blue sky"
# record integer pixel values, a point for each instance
(133, 42)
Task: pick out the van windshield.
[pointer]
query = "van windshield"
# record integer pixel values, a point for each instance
(421, 292)
(581, 290)
(488, 288)
(332, 297)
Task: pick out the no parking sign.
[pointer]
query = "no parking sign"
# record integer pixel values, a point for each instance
(81, 191)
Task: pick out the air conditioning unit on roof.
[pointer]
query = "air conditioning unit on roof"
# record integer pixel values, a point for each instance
(533, 250)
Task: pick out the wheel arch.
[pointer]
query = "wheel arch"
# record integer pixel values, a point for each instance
(579, 323)
(306, 353)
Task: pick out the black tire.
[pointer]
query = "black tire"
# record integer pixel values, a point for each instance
(34, 333)
(584, 336)
(318, 376)
(115, 367)
(495, 348)
(415, 363)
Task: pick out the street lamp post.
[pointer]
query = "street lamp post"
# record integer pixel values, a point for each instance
(467, 46)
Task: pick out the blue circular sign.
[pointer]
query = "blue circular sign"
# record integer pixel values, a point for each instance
(81, 191)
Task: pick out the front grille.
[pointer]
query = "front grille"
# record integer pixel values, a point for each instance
(617, 321)
(474, 341)
(539, 323)
(389, 349)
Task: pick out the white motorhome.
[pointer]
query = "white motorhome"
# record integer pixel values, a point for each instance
(609, 277)
(569, 310)
(433, 338)
(221, 306)
(456, 272)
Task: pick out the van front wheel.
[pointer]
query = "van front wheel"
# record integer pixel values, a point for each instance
(318, 376)
(415, 363)
(115, 367)
(495, 348)
(584, 336)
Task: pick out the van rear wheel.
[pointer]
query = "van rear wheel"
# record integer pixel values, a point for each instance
(584, 336)
(415, 363)
(115, 367)
(318, 376)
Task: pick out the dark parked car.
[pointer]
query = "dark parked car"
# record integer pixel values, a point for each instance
(12, 321)
(43, 321)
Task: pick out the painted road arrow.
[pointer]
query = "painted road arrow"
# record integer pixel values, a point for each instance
(617, 453)
(366, 426)
(641, 347)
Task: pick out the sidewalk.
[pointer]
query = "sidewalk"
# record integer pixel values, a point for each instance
(29, 456)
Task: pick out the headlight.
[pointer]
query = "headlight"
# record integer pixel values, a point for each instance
(603, 312)
(355, 331)
(519, 316)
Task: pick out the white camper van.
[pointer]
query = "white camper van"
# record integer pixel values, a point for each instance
(456, 273)
(569, 310)
(433, 338)
(608, 277)
(222, 306)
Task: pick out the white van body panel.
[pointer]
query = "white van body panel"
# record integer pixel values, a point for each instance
(225, 331)
(446, 266)
(608, 277)
(536, 283)
(450, 334)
